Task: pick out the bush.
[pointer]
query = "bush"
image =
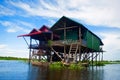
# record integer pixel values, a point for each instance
(99, 64)
(56, 65)
(60, 65)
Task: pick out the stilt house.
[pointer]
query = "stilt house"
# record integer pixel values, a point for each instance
(66, 40)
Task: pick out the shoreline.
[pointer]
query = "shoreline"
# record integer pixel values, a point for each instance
(13, 58)
(99, 63)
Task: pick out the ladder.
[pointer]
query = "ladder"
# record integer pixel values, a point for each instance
(73, 51)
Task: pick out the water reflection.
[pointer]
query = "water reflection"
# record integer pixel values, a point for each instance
(96, 73)
(13, 70)
(92, 73)
(37, 73)
(18, 70)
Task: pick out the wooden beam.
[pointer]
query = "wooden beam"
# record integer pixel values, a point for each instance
(80, 34)
(52, 36)
(79, 52)
(26, 41)
(56, 53)
(66, 27)
(64, 31)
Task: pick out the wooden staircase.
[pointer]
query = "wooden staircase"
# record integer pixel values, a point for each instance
(73, 51)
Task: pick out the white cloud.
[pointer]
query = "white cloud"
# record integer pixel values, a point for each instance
(2, 46)
(97, 12)
(26, 24)
(15, 27)
(4, 11)
(5, 50)
(111, 45)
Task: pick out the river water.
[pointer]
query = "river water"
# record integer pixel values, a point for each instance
(19, 70)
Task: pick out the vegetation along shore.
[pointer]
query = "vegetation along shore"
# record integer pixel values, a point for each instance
(59, 65)
(12, 58)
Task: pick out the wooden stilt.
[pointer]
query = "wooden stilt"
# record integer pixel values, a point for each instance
(80, 43)
(30, 50)
(84, 54)
(99, 56)
(39, 58)
(102, 57)
(92, 58)
(64, 52)
(79, 52)
(88, 57)
(51, 57)
(96, 58)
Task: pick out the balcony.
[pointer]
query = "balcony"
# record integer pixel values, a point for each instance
(68, 42)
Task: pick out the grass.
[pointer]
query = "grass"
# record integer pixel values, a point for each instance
(56, 65)
(74, 66)
(13, 58)
(99, 64)
(60, 65)
(103, 63)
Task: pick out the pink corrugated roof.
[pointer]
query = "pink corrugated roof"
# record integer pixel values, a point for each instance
(37, 31)
(30, 34)
(44, 29)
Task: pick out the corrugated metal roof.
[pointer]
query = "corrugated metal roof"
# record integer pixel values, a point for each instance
(43, 29)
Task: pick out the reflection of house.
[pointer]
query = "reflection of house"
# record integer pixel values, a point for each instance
(68, 40)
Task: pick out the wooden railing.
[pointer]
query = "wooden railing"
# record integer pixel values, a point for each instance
(62, 43)
(69, 42)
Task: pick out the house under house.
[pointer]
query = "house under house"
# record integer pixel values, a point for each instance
(66, 41)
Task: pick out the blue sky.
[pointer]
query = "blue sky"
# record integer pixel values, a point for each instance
(21, 16)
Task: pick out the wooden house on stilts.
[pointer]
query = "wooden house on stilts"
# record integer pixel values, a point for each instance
(66, 41)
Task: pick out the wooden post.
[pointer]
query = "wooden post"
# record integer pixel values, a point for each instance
(26, 41)
(64, 52)
(64, 31)
(30, 50)
(99, 56)
(64, 39)
(79, 52)
(88, 57)
(96, 58)
(102, 56)
(80, 43)
(79, 34)
(52, 36)
(92, 58)
(51, 57)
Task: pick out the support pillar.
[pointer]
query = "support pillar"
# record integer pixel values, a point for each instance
(30, 50)
(96, 58)
(99, 56)
(102, 56)
(92, 58)
(80, 53)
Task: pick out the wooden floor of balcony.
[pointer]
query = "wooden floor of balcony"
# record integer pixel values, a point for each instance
(68, 43)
